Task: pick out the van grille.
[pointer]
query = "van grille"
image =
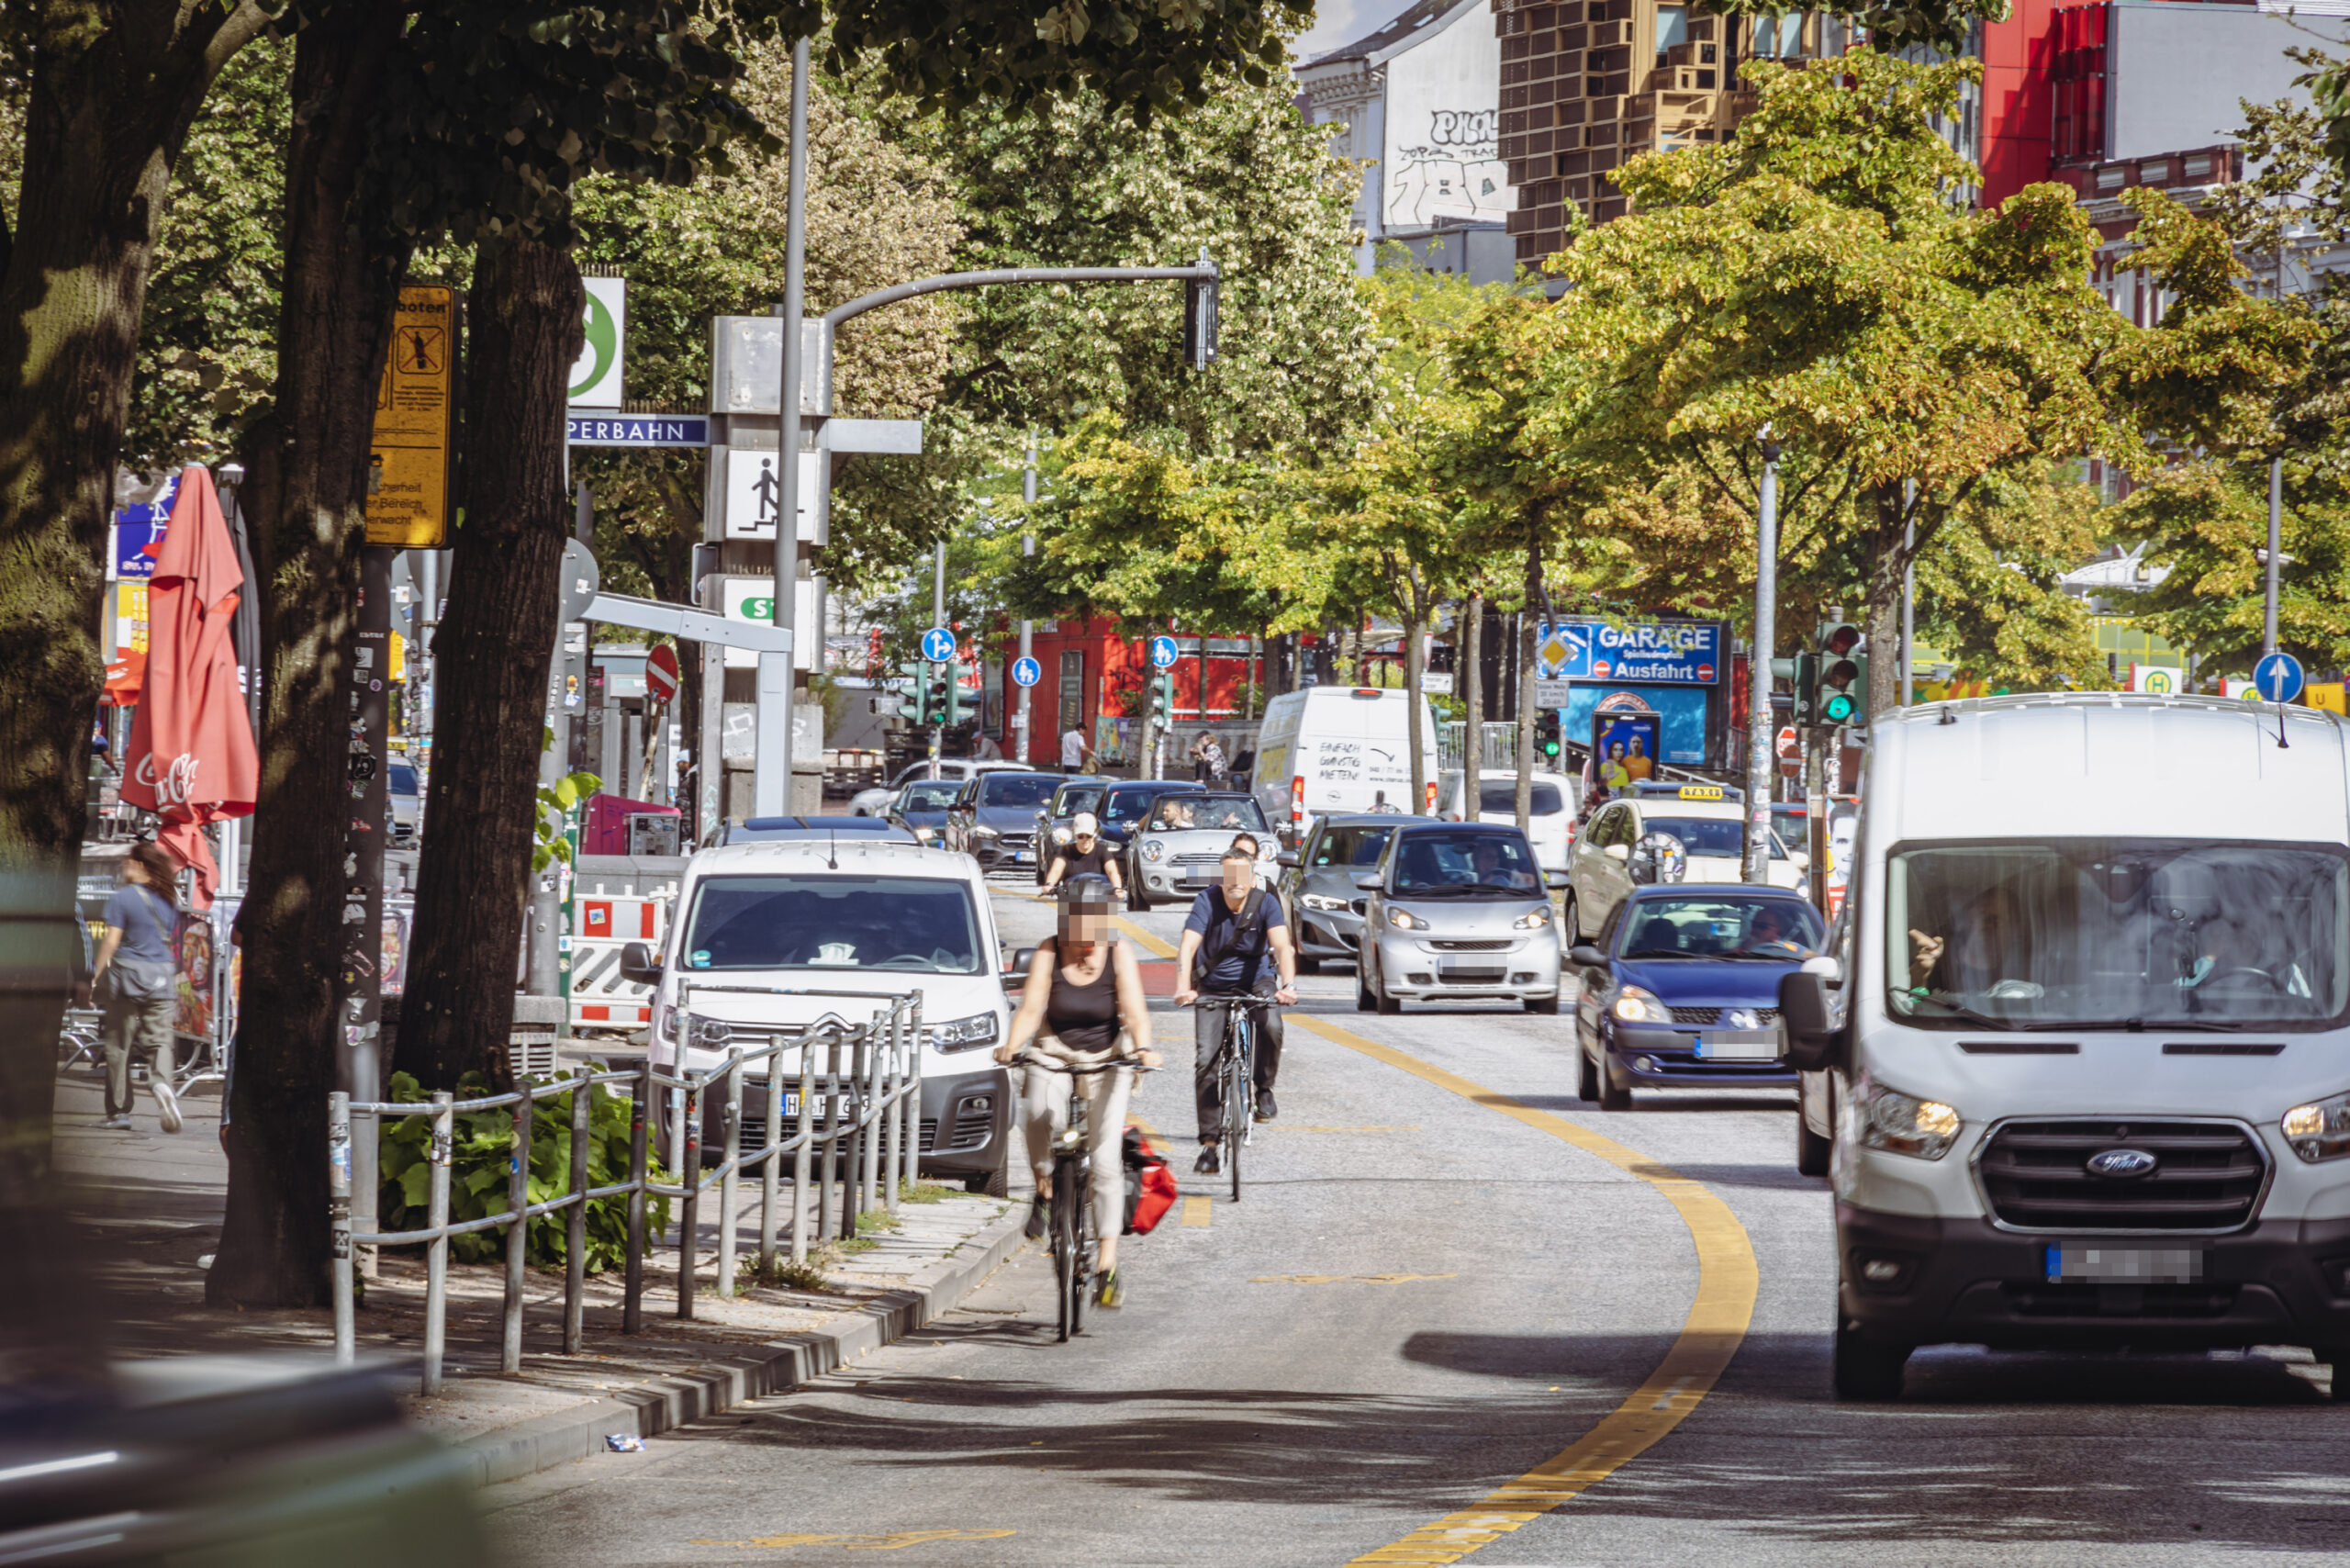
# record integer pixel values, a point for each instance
(2208, 1175)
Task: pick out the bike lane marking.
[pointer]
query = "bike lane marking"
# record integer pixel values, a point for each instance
(1728, 1279)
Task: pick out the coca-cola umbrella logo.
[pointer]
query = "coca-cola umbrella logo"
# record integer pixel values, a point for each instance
(176, 787)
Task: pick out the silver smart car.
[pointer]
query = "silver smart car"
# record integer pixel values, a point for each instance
(1458, 911)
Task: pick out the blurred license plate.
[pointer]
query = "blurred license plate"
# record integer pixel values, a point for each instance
(1202, 874)
(792, 1103)
(1021, 857)
(2125, 1265)
(1738, 1045)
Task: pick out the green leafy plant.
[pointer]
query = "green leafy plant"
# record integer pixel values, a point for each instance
(557, 803)
(481, 1156)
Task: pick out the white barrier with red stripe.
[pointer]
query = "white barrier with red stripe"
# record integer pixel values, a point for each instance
(603, 924)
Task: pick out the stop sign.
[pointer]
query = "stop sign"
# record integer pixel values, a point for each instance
(661, 674)
(1787, 741)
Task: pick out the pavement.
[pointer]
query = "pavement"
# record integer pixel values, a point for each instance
(1459, 1314)
(153, 1203)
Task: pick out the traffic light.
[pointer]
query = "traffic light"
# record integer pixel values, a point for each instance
(1162, 698)
(1199, 319)
(917, 674)
(1806, 684)
(953, 694)
(1546, 733)
(937, 691)
(1842, 695)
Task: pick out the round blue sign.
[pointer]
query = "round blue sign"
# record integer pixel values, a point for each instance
(1026, 672)
(939, 645)
(2277, 677)
(1162, 652)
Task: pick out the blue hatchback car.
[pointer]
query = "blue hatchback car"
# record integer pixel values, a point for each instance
(1680, 990)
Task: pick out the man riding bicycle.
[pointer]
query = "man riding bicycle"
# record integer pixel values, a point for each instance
(1232, 931)
(1083, 1008)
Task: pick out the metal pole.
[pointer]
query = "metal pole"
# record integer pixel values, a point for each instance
(892, 1122)
(939, 618)
(853, 1156)
(1759, 758)
(771, 1168)
(771, 780)
(2276, 543)
(874, 1086)
(638, 1167)
(910, 1108)
(827, 1213)
(1908, 588)
(518, 1198)
(436, 1251)
(1020, 726)
(575, 1240)
(689, 1209)
(730, 1184)
(338, 1217)
(803, 1156)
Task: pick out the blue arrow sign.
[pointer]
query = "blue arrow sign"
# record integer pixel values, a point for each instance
(1027, 672)
(1162, 652)
(939, 645)
(2277, 677)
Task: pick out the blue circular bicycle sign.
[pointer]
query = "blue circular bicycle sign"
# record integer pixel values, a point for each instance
(1162, 652)
(1026, 672)
(939, 645)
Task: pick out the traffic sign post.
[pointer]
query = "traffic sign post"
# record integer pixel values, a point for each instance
(939, 645)
(2277, 677)
(1162, 652)
(1026, 672)
(661, 674)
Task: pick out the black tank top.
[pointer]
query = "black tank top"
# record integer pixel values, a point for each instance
(1085, 1016)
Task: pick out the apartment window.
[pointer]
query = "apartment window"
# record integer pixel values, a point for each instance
(1671, 27)
(2154, 173)
(1072, 691)
(2112, 177)
(2199, 167)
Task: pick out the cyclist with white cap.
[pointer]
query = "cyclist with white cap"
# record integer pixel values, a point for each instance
(1084, 855)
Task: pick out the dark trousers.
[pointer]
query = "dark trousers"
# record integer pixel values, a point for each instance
(1207, 1078)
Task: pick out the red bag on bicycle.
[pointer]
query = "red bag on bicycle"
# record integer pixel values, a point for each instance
(1150, 1187)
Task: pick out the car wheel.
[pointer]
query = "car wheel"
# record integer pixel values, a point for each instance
(2338, 1357)
(1812, 1150)
(1546, 1005)
(1137, 899)
(1586, 1076)
(1611, 1097)
(1866, 1369)
(1573, 921)
(1364, 1001)
(1309, 966)
(1389, 1006)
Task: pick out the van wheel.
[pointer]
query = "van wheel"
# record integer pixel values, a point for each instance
(1812, 1149)
(1866, 1369)
(1586, 1076)
(995, 1183)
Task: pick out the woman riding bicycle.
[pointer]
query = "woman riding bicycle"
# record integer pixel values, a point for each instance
(1082, 1007)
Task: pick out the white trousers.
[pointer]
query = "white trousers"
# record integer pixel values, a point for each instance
(1043, 1112)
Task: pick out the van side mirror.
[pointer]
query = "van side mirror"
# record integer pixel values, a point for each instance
(638, 964)
(1016, 975)
(1825, 966)
(1803, 1014)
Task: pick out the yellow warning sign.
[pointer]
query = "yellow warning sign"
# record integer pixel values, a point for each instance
(415, 406)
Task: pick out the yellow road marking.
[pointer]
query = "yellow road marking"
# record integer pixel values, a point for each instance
(1717, 1325)
(1143, 939)
(1198, 1211)
(890, 1542)
(1344, 1279)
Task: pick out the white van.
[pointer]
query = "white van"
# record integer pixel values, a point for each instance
(2087, 1038)
(1341, 748)
(1551, 816)
(804, 928)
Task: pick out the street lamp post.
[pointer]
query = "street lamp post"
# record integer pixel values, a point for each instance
(2276, 529)
(1027, 627)
(1759, 750)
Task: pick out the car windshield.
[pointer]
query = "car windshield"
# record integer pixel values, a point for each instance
(403, 779)
(1709, 835)
(1485, 865)
(1069, 802)
(1718, 925)
(1501, 795)
(919, 924)
(2089, 932)
(1017, 789)
(929, 796)
(1126, 805)
(1351, 846)
(1185, 813)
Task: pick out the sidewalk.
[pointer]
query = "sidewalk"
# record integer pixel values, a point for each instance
(153, 1203)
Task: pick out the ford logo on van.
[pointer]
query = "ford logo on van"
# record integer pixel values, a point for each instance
(2121, 1162)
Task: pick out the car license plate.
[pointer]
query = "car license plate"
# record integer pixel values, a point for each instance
(1021, 857)
(2125, 1265)
(792, 1103)
(1204, 874)
(1738, 1045)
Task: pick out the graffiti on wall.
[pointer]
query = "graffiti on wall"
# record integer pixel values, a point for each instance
(1452, 168)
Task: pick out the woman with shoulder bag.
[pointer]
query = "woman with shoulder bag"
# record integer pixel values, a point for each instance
(1083, 1006)
(134, 984)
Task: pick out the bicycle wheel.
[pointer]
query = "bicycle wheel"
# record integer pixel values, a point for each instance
(1236, 1093)
(1080, 1228)
(1066, 1267)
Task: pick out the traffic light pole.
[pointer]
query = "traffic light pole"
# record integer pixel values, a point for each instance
(1815, 774)
(1019, 724)
(1760, 757)
(939, 618)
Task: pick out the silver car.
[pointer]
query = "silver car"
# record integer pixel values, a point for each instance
(1180, 847)
(1458, 911)
(1319, 897)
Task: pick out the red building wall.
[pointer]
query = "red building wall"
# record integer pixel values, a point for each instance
(1111, 674)
(2019, 96)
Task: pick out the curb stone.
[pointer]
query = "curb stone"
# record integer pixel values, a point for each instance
(526, 1448)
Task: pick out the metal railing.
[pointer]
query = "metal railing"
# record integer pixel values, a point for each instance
(869, 1083)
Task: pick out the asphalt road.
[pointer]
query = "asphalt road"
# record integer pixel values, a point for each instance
(1446, 1272)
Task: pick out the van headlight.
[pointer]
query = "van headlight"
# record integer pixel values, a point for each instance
(2319, 1130)
(710, 1033)
(960, 1034)
(1904, 1124)
(1635, 1006)
(1152, 849)
(1532, 920)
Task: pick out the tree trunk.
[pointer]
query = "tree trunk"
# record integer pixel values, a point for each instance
(1888, 561)
(1413, 700)
(1468, 659)
(307, 493)
(1525, 683)
(496, 644)
(110, 108)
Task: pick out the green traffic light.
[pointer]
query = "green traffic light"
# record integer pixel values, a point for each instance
(1837, 709)
(1550, 749)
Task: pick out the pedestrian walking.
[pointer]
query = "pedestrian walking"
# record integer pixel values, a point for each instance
(134, 985)
(1072, 748)
(989, 751)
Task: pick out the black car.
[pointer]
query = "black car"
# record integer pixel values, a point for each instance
(994, 818)
(1681, 989)
(1319, 897)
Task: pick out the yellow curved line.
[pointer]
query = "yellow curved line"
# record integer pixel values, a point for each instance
(1717, 1325)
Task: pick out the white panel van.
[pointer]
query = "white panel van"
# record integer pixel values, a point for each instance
(2087, 1039)
(1341, 748)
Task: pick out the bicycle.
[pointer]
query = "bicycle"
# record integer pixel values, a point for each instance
(1072, 1211)
(1236, 1062)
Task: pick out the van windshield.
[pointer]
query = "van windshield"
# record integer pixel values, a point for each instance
(2087, 933)
(1501, 795)
(916, 924)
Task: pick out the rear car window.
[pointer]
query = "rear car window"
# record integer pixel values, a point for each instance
(403, 779)
(1501, 795)
(1351, 846)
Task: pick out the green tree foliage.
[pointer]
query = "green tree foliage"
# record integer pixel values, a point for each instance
(2206, 521)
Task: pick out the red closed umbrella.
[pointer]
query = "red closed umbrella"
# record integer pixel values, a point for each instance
(192, 759)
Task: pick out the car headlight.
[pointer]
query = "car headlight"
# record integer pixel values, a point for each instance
(710, 1033)
(1407, 920)
(1062, 835)
(1532, 920)
(1320, 900)
(925, 834)
(979, 832)
(960, 1034)
(2319, 1130)
(1903, 1124)
(1634, 1006)
(1152, 849)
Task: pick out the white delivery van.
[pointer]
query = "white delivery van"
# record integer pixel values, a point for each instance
(2088, 1040)
(770, 938)
(1550, 817)
(1341, 748)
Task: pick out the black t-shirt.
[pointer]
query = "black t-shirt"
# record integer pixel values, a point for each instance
(1095, 860)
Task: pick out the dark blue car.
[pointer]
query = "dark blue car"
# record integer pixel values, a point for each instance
(1680, 990)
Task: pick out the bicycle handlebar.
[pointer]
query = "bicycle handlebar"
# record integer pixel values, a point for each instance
(1205, 1000)
(1027, 1058)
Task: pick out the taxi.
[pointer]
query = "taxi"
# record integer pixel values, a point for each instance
(1657, 833)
